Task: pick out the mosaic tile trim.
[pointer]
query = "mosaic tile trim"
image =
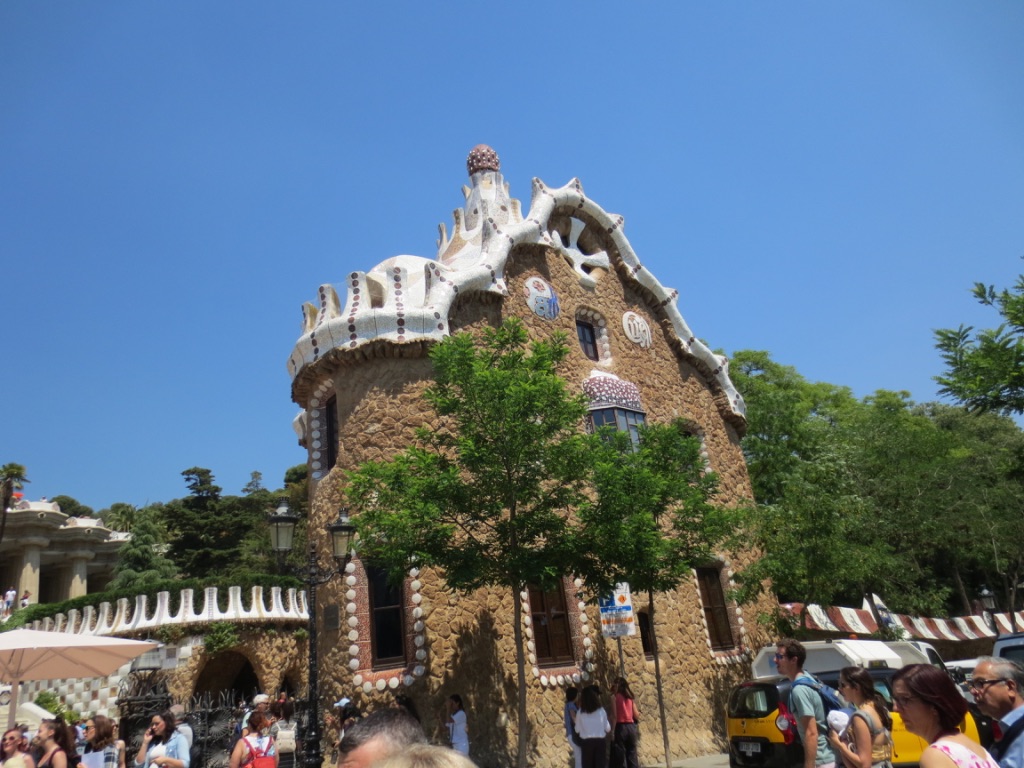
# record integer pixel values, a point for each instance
(562, 676)
(605, 390)
(362, 678)
(409, 298)
(316, 424)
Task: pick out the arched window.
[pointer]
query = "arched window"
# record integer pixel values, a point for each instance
(592, 333)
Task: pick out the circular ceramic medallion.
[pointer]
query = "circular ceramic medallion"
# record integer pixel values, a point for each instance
(637, 330)
(541, 298)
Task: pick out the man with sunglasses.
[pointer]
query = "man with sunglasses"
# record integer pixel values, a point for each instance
(806, 705)
(996, 686)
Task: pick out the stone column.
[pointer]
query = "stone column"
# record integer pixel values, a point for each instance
(29, 578)
(77, 581)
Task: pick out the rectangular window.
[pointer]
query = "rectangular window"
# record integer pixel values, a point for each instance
(716, 612)
(551, 626)
(387, 622)
(643, 620)
(331, 427)
(588, 339)
(622, 419)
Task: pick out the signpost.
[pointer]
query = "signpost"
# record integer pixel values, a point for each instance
(617, 618)
(617, 613)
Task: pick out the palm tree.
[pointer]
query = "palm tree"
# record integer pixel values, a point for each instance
(121, 517)
(12, 478)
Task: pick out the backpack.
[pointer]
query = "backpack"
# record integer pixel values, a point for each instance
(258, 758)
(829, 696)
(285, 738)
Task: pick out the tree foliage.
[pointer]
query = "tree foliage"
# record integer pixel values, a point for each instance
(874, 495)
(985, 369)
(486, 494)
(141, 562)
(72, 507)
(211, 534)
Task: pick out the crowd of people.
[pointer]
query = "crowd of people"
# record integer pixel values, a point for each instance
(600, 732)
(930, 704)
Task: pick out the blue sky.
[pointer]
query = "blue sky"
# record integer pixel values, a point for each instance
(821, 180)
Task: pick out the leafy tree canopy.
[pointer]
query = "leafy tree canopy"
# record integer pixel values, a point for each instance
(985, 369)
(72, 507)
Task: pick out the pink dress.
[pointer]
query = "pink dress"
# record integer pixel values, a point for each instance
(962, 756)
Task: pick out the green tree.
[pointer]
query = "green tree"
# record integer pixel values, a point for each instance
(141, 562)
(211, 534)
(985, 369)
(986, 503)
(296, 474)
(653, 520)
(254, 485)
(12, 478)
(487, 493)
(72, 507)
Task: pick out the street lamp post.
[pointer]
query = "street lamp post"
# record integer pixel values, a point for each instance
(282, 533)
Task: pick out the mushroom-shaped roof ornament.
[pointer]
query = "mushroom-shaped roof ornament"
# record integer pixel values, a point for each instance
(482, 158)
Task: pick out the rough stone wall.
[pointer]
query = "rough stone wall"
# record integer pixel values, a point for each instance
(468, 639)
(275, 656)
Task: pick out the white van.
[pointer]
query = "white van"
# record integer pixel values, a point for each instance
(1010, 647)
(831, 655)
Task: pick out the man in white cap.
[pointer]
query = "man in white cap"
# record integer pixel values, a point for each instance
(260, 703)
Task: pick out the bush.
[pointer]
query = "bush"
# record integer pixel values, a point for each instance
(220, 636)
(48, 700)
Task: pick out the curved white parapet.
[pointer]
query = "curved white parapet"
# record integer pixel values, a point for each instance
(123, 619)
(408, 299)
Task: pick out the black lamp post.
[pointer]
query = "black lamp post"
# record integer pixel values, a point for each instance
(282, 534)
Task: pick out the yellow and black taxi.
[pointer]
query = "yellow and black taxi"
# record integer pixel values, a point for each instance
(762, 730)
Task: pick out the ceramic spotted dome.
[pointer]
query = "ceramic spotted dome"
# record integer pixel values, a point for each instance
(482, 158)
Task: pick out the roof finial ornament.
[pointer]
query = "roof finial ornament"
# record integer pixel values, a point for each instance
(482, 158)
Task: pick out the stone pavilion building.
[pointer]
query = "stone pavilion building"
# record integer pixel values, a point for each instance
(358, 371)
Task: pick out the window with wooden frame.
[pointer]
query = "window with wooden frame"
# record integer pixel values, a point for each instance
(387, 619)
(643, 620)
(331, 428)
(716, 611)
(588, 339)
(551, 633)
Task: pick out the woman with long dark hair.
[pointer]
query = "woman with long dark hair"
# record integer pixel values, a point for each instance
(592, 725)
(932, 707)
(458, 730)
(57, 743)
(99, 737)
(162, 746)
(868, 737)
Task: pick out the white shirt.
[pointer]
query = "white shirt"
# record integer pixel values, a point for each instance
(592, 725)
(457, 730)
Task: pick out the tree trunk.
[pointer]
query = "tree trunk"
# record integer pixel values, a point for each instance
(657, 680)
(522, 746)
